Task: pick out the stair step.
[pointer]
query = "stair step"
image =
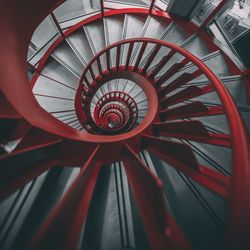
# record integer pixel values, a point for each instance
(215, 61)
(137, 22)
(196, 45)
(57, 72)
(113, 33)
(73, 11)
(46, 86)
(54, 104)
(43, 37)
(80, 42)
(153, 28)
(95, 36)
(65, 56)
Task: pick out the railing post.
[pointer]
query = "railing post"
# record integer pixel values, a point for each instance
(57, 24)
(118, 51)
(102, 7)
(151, 6)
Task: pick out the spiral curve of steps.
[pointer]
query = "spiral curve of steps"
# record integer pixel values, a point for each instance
(133, 134)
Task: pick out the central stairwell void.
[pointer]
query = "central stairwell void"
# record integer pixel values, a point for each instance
(139, 141)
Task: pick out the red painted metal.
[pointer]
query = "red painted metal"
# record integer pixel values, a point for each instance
(152, 4)
(147, 191)
(161, 64)
(6, 110)
(130, 49)
(170, 152)
(118, 55)
(171, 71)
(178, 82)
(62, 228)
(34, 139)
(125, 100)
(202, 110)
(99, 65)
(151, 58)
(102, 7)
(187, 26)
(193, 109)
(17, 36)
(193, 131)
(185, 94)
(139, 57)
(143, 82)
(107, 60)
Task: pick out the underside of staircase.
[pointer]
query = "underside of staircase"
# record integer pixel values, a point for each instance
(120, 128)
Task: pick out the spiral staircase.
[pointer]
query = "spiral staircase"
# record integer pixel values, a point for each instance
(123, 129)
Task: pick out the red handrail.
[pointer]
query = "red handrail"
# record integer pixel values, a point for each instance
(10, 17)
(112, 96)
(239, 222)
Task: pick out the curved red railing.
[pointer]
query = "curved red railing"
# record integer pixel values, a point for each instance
(127, 107)
(238, 138)
(17, 36)
(236, 126)
(113, 107)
